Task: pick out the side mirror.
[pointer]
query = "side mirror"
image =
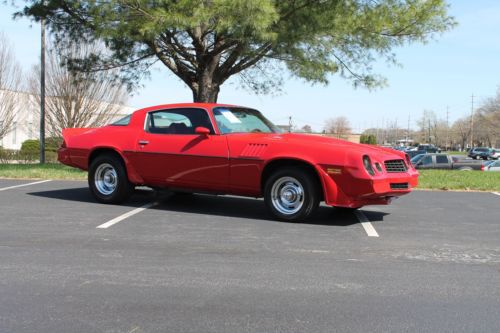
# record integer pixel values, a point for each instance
(202, 131)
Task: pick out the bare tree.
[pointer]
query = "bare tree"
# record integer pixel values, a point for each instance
(461, 131)
(10, 84)
(76, 99)
(487, 122)
(339, 126)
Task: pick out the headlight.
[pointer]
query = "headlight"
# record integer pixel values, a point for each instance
(368, 165)
(408, 161)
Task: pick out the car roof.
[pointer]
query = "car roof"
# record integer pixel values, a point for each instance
(183, 105)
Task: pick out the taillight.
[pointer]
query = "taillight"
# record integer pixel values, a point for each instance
(482, 167)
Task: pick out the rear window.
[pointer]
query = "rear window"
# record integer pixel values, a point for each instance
(122, 122)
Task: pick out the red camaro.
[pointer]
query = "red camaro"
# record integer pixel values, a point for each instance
(224, 149)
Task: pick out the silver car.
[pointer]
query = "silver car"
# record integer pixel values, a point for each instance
(495, 154)
(493, 166)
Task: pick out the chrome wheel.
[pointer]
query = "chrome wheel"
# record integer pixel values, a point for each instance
(287, 195)
(106, 179)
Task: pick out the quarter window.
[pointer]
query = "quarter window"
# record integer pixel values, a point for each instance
(123, 121)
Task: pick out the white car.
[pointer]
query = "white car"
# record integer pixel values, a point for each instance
(493, 166)
(495, 154)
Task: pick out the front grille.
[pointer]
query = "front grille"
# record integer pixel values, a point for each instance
(395, 166)
(399, 186)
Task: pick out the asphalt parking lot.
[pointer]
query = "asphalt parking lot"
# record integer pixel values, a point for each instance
(219, 264)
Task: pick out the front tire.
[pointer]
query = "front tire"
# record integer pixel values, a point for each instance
(292, 194)
(108, 180)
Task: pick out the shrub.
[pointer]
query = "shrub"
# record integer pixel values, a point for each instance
(30, 150)
(7, 155)
(53, 143)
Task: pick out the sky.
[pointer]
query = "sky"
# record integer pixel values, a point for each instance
(439, 76)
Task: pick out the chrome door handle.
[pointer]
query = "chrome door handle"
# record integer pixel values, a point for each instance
(143, 142)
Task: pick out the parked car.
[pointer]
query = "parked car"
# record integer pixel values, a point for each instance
(414, 153)
(428, 148)
(444, 161)
(493, 166)
(479, 153)
(225, 149)
(494, 154)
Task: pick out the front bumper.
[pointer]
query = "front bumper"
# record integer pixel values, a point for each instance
(354, 188)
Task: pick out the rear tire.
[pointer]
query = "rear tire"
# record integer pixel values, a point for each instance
(292, 194)
(108, 180)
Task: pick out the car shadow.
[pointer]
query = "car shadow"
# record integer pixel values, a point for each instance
(227, 206)
(248, 208)
(82, 194)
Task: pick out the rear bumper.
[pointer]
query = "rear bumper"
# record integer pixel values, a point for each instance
(76, 158)
(63, 156)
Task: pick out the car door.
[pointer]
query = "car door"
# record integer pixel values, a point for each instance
(169, 152)
(426, 162)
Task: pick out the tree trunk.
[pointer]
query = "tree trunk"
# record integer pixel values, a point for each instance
(206, 91)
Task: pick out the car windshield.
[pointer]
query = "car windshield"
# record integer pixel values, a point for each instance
(241, 120)
(417, 158)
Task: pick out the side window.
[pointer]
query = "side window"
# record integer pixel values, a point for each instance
(443, 159)
(427, 160)
(178, 121)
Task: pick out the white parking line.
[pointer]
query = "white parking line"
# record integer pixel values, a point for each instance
(497, 193)
(370, 230)
(126, 215)
(28, 184)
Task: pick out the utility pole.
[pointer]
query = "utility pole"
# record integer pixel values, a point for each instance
(408, 131)
(429, 130)
(472, 122)
(397, 131)
(290, 124)
(447, 128)
(42, 94)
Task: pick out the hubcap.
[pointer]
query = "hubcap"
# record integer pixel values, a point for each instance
(287, 195)
(106, 179)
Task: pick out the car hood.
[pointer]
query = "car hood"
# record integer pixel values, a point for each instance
(312, 139)
(304, 142)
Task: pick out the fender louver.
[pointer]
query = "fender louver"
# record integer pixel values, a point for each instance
(253, 150)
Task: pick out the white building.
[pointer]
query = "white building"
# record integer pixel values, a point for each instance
(26, 122)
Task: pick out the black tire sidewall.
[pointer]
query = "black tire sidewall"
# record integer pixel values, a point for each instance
(124, 188)
(311, 194)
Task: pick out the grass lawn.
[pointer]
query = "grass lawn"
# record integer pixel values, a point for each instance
(43, 171)
(453, 152)
(429, 179)
(459, 180)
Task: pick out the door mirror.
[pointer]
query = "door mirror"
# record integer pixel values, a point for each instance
(202, 131)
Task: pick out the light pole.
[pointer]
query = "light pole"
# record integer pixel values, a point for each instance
(42, 93)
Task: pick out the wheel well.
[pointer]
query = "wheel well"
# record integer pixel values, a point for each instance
(105, 151)
(288, 162)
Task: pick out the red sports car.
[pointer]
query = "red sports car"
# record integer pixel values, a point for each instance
(225, 149)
